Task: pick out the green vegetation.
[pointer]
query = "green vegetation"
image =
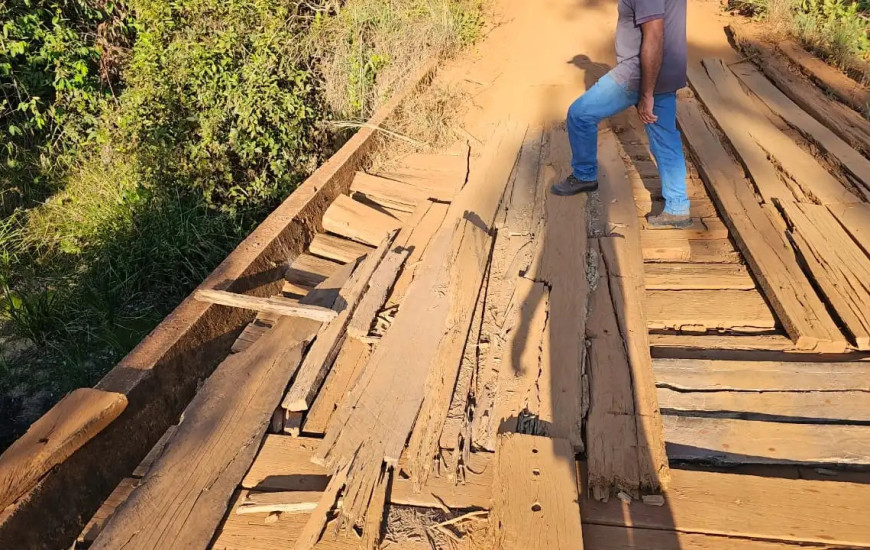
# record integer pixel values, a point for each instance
(144, 139)
(836, 30)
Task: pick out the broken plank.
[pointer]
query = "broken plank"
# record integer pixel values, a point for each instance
(816, 407)
(337, 248)
(610, 423)
(357, 221)
(71, 423)
(375, 296)
(319, 358)
(737, 310)
(342, 376)
(840, 268)
(843, 153)
(277, 305)
(728, 441)
(474, 490)
(705, 375)
(284, 464)
(535, 494)
(622, 256)
(184, 496)
(716, 503)
(696, 276)
(763, 244)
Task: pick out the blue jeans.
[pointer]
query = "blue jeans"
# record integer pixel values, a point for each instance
(607, 98)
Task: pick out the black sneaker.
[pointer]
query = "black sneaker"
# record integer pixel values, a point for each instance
(572, 186)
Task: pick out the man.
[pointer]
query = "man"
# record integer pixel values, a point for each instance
(651, 67)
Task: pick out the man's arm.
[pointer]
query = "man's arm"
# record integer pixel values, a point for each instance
(651, 51)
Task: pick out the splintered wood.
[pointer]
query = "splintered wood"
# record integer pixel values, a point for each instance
(535, 502)
(411, 370)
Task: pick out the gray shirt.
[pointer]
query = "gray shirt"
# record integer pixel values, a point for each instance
(632, 14)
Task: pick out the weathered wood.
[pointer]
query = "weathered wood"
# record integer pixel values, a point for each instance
(320, 357)
(840, 119)
(310, 534)
(730, 441)
(535, 494)
(390, 193)
(843, 153)
(847, 90)
(797, 406)
(74, 421)
(695, 276)
(375, 514)
(622, 257)
(611, 537)
(840, 268)
(439, 175)
(737, 310)
(309, 271)
(760, 143)
(702, 374)
(716, 503)
(345, 371)
(95, 525)
(611, 429)
(409, 364)
(284, 464)
(356, 221)
(286, 502)
(337, 248)
(182, 505)
(473, 490)
(855, 218)
(154, 453)
(375, 296)
(678, 248)
(701, 229)
(763, 244)
(274, 304)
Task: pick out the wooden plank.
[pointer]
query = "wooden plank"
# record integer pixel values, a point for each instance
(622, 256)
(840, 268)
(843, 153)
(337, 248)
(763, 244)
(439, 175)
(107, 509)
(285, 502)
(855, 218)
(840, 119)
(284, 464)
(610, 425)
(390, 193)
(269, 531)
(758, 141)
(185, 494)
(678, 248)
(356, 221)
(802, 406)
(154, 453)
(326, 346)
(535, 494)
(696, 276)
(716, 503)
(352, 357)
(610, 537)
(74, 421)
(702, 374)
(408, 363)
(375, 296)
(727, 441)
(847, 90)
(311, 533)
(375, 514)
(273, 304)
(473, 490)
(738, 310)
(309, 271)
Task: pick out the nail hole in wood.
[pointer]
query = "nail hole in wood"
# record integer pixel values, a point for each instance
(536, 471)
(536, 507)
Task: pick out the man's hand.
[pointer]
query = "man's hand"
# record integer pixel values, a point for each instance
(645, 109)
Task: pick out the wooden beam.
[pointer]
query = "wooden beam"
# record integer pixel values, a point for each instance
(74, 421)
(390, 193)
(357, 221)
(277, 305)
(337, 248)
(855, 218)
(309, 271)
(762, 242)
(472, 490)
(696, 276)
(728, 441)
(736, 310)
(535, 494)
(182, 505)
(375, 296)
(345, 372)
(283, 463)
(847, 90)
(840, 268)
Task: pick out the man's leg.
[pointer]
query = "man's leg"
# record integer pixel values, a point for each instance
(604, 99)
(667, 148)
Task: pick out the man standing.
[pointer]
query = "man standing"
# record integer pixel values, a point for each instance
(651, 67)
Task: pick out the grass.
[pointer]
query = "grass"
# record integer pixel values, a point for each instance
(223, 108)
